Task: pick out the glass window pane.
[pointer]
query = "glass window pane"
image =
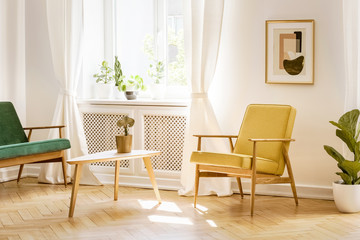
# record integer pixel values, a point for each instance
(175, 44)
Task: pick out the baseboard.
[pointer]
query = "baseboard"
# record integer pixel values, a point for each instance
(284, 190)
(303, 191)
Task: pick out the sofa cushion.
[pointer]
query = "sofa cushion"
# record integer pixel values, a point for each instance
(11, 131)
(30, 148)
(242, 161)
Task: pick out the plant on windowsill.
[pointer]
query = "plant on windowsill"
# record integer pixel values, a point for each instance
(156, 70)
(118, 76)
(347, 192)
(156, 73)
(124, 142)
(131, 86)
(104, 80)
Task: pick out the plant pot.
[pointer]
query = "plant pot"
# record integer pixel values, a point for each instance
(346, 197)
(104, 91)
(123, 143)
(157, 90)
(131, 95)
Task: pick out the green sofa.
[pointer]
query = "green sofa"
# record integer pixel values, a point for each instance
(15, 145)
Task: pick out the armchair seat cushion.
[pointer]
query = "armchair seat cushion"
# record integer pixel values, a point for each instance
(242, 161)
(30, 148)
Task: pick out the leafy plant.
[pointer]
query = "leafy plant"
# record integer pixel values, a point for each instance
(105, 75)
(348, 131)
(156, 68)
(156, 71)
(118, 76)
(126, 122)
(132, 83)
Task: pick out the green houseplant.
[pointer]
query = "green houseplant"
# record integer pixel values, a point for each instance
(156, 73)
(124, 142)
(131, 86)
(104, 80)
(347, 192)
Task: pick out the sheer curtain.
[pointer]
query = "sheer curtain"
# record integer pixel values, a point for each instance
(65, 25)
(203, 22)
(351, 24)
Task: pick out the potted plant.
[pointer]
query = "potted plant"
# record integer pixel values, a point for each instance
(124, 142)
(347, 192)
(156, 69)
(132, 86)
(156, 73)
(118, 76)
(104, 81)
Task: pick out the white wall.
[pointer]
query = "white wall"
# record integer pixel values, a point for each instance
(240, 79)
(12, 55)
(42, 87)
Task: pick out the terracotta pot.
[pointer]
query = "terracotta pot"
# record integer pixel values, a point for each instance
(123, 143)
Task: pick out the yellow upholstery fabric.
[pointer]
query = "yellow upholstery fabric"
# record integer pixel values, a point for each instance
(260, 121)
(233, 160)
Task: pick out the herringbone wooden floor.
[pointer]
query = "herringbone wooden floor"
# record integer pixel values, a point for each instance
(39, 211)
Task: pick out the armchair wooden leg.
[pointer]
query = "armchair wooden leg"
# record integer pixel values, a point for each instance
(291, 175)
(64, 170)
(196, 190)
(238, 179)
(20, 172)
(252, 197)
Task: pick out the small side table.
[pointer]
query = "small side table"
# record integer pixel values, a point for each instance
(111, 156)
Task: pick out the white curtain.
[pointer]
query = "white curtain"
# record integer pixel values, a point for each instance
(351, 24)
(203, 23)
(12, 55)
(65, 25)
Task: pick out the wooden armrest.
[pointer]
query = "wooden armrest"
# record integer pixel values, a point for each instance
(216, 136)
(271, 140)
(44, 127)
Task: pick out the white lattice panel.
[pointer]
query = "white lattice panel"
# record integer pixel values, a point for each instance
(166, 134)
(100, 130)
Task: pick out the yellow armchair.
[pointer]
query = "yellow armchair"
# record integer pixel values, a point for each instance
(260, 152)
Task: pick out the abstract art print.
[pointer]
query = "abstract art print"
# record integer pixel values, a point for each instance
(289, 51)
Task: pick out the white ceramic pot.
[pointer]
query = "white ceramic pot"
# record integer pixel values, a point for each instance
(157, 90)
(104, 91)
(346, 197)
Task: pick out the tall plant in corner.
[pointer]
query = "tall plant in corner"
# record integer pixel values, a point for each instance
(348, 131)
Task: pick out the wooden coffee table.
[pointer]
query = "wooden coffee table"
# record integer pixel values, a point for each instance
(111, 156)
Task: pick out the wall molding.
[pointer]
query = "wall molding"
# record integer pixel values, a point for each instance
(105, 177)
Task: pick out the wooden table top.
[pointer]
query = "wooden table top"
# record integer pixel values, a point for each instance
(112, 155)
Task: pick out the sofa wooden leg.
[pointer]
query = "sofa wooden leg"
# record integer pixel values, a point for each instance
(20, 172)
(64, 170)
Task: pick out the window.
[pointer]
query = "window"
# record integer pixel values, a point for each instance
(147, 32)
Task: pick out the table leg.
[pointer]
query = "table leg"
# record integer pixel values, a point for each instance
(116, 181)
(75, 189)
(150, 171)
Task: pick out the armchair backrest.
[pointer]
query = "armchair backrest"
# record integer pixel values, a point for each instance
(266, 121)
(11, 130)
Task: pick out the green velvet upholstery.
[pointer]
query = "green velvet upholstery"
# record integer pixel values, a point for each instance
(261, 121)
(11, 130)
(30, 148)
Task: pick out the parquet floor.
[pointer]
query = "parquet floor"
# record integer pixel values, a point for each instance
(39, 211)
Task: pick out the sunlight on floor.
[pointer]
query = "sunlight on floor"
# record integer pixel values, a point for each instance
(167, 219)
(211, 223)
(164, 206)
(201, 207)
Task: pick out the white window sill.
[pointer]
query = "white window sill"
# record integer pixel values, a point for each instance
(137, 102)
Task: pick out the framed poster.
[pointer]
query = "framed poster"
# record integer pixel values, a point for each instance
(289, 51)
